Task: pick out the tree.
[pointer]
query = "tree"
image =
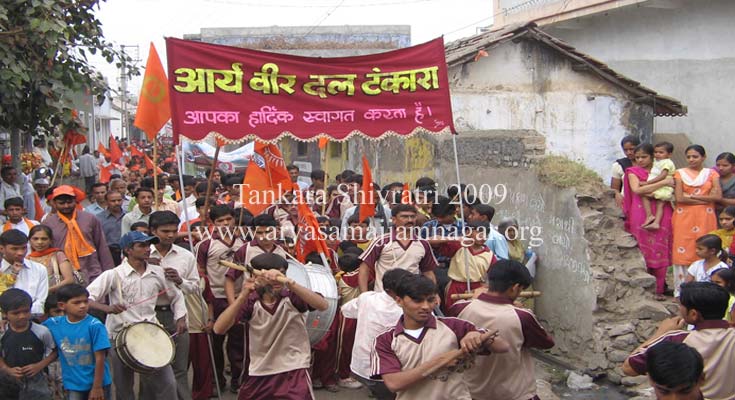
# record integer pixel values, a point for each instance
(44, 48)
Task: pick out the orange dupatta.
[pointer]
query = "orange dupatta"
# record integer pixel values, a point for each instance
(75, 246)
(9, 225)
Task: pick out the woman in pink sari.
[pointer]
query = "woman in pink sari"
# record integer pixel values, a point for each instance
(655, 245)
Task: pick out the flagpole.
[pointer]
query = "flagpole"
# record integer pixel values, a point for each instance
(181, 185)
(155, 175)
(326, 178)
(58, 163)
(211, 177)
(461, 211)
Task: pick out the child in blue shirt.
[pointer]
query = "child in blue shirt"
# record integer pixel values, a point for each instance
(83, 343)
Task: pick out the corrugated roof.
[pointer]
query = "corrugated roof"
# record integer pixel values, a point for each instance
(464, 50)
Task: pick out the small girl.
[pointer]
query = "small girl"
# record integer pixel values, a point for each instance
(727, 227)
(726, 279)
(712, 257)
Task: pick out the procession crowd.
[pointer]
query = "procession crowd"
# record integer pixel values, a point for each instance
(97, 282)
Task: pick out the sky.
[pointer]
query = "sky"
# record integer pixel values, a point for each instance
(138, 22)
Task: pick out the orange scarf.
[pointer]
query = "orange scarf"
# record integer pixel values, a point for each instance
(75, 246)
(43, 253)
(38, 207)
(9, 225)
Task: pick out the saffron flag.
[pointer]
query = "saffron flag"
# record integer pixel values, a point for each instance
(367, 202)
(150, 166)
(153, 104)
(105, 174)
(103, 150)
(310, 238)
(266, 178)
(115, 152)
(406, 194)
(323, 143)
(135, 151)
(38, 207)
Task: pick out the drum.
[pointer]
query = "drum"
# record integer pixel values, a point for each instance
(319, 279)
(144, 347)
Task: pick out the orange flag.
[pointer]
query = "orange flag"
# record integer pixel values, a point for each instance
(309, 238)
(265, 171)
(38, 207)
(115, 152)
(134, 151)
(367, 202)
(105, 174)
(153, 106)
(323, 143)
(149, 165)
(406, 194)
(103, 150)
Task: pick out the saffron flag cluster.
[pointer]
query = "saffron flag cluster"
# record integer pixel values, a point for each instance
(239, 93)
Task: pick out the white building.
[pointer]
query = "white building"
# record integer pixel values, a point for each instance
(681, 47)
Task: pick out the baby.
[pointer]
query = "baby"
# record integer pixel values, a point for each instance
(663, 168)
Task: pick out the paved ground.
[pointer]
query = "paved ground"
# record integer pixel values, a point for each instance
(343, 394)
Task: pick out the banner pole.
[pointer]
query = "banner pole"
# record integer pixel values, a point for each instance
(180, 160)
(211, 177)
(156, 202)
(326, 179)
(59, 164)
(461, 210)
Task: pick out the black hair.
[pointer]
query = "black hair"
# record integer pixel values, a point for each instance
(349, 262)
(713, 242)
(244, 217)
(5, 170)
(506, 273)
(709, 299)
(671, 365)
(264, 220)
(115, 176)
(335, 222)
(425, 181)
(13, 299)
(392, 278)
(729, 210)
(111, 192)
(49, 191)
(291, 167)
(99, 184)
(346, 174)
(188, 180)
(443, 207)
(727, 275)
(70, 291)
(13, 237)
(478, 225)
(50, 303)
(399, 208)
(486, 210)
(321, 219)
(44, 228)
(317, 175)
(200, 201)
(231, 180)
(313, 258)
(139, 224)
(147, 183)
(452, 191)
(347, 245)
(354, 178)
(417, 287)
(698, 148)
(729, 157)
(142, 189)
(220, 210)
(630, 139)
(646, 148)
(355, 219)
(269, 261)
(668, 146)
(14, 201)
(161, 218)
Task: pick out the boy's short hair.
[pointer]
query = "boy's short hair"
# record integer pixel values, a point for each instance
(313, 258)
(355, 219)
(139, 224)
(13, 237)
(161, 218)
(392, 278)
(14, 202)
(349, 262)
(13, 299)
(292, 167)
(443, 207)
(50, 303)
(706, 297)
(506, 273)
(669, 147)
(189, 180)
(425, 181)
(219, 211)
(143, 189)
(269, 261)
(265, 220)
(354, 178)
(478, 225)
(317, 175)
(486, 210)
(417, 287)
(672, 365)
(399, 208)
(70, 291)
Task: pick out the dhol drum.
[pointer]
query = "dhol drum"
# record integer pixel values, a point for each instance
(144, 347)
(319, 279)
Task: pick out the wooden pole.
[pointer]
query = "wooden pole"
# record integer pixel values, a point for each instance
(525, 295)
(59, 165)
(156, 200)
(211, 177)
(326, 178)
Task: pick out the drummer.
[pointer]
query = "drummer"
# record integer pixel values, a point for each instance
(133, 288)
(279, 345)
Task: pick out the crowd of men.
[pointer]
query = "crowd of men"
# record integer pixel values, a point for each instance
(82, 268)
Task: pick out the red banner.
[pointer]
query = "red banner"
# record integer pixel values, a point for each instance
(240, 94)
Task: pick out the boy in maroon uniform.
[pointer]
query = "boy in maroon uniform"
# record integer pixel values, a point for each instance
(279, 345)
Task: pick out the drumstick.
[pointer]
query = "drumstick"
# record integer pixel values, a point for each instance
(527, 295)
(454, 354)
(251, 270)
(150, 298)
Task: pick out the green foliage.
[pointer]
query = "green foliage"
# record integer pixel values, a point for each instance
(565, 173)
(44, 45)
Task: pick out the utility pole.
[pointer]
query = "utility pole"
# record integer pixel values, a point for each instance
(125, 128)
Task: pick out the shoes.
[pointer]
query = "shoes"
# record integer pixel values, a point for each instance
(349, 383)
(234, 387)
(331, 388)
(316, 384)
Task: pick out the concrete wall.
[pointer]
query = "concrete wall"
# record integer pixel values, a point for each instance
(527, 86)
(683, 49)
